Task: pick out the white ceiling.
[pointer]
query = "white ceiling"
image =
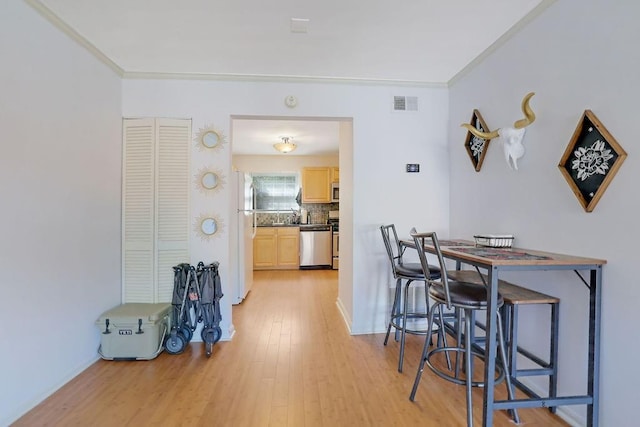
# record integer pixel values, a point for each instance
(253, 136)
(420, 42)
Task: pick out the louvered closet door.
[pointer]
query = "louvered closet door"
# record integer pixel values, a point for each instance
(138, 210)
(172, 196)
(155, 206)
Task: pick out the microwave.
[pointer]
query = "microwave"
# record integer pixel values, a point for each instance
(335, 192)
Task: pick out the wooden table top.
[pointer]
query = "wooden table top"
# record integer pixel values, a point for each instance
(467, 251)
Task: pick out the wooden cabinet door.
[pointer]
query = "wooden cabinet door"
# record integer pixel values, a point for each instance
(289, 247)
(335, 175)
(264, 248)
(316, 185)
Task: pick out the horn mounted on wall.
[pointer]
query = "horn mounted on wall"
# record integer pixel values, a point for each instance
(511, 137)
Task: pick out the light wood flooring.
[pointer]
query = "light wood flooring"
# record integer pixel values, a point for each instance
(291, 363)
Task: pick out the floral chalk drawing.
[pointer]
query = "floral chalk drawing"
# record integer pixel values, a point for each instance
(591, 160)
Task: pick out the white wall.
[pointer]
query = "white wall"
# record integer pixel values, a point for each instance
(281, 163)
(579, 54)
(383, 142)
(60, 217)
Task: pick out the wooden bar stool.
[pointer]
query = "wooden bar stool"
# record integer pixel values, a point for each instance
(469, 298)
(514, 296)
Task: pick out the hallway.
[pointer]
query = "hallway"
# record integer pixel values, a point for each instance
(290, 363)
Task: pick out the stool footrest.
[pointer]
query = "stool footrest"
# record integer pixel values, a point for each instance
(454, 379)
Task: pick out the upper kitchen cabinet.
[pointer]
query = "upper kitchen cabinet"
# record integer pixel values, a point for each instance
(335, 175)
(316, 184)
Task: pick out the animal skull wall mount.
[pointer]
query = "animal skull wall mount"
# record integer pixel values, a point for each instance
(511, 137)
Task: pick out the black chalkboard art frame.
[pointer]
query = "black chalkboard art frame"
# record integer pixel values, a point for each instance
(591, 160)
(477, 147)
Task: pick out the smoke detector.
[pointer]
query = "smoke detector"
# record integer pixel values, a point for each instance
(299, 25)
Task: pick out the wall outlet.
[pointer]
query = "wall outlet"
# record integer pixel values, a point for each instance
(413, 167)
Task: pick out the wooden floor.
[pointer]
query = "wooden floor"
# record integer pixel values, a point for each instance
(291, 363)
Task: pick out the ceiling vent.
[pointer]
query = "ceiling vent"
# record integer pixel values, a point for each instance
(405, 103)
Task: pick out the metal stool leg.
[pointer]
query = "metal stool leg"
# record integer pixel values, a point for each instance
(468, 363)
(458, 323)
(394, 311)
(425, 349)
(403, 332)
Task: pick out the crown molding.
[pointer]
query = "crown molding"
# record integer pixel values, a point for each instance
(515, 29)
(278, 79)
(74, 35)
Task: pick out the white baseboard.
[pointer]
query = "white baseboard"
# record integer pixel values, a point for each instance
(344, 314)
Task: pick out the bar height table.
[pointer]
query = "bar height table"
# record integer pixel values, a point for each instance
(497, 260)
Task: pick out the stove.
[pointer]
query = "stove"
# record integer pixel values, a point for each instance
(334, 222)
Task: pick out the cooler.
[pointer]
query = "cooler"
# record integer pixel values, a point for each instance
(133, 331)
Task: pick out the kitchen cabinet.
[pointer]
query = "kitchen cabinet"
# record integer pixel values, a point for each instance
(276, 248)
(288, 247)
(264, 248)
(335, 175)
(316, 185)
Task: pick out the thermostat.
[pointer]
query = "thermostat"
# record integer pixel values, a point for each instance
(413, 167)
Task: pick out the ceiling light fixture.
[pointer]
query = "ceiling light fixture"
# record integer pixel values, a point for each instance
(285, 146)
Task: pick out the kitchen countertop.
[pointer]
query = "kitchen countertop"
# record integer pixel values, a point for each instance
(279, 225)
(302, 226)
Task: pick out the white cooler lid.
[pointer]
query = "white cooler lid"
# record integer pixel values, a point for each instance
(131, 312)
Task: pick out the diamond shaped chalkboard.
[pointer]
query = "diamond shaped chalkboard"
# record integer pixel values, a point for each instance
(591, 160)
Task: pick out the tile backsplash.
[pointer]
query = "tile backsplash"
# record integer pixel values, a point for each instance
(318, 214)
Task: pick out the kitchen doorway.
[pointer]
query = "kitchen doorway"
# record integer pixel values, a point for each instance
(318, 140)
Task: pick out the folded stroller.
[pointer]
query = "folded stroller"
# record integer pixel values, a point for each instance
(210, 292)
(196, 298)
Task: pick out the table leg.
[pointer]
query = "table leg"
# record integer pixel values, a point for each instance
(490, 348)
(595, 296)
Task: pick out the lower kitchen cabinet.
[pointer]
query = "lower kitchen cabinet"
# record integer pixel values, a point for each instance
(276, 248)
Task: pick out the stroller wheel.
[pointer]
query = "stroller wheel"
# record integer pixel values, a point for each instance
(187, 332)
(175, 344)
(217, 334)
(208, 335)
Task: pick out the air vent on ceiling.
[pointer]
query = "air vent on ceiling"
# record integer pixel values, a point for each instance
(405, 103)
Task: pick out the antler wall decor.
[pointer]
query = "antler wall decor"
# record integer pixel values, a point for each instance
(511, 137)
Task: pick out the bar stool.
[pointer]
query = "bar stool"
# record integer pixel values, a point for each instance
(469, 298)
(409, 272)
(514, 296)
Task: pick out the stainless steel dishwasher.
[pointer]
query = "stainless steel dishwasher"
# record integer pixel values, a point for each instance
(315, 246)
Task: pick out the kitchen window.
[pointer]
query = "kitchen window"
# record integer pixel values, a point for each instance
(276, 191)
